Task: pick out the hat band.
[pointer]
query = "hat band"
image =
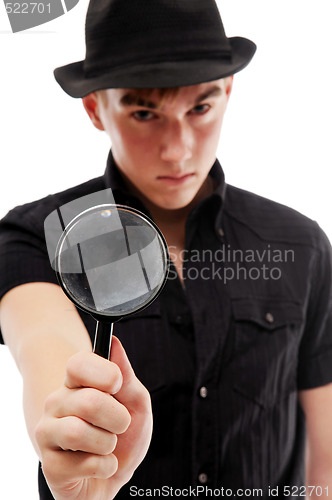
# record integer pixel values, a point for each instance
(92, 70)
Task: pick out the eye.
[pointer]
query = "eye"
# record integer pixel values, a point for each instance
(143, 115)
(200, 109)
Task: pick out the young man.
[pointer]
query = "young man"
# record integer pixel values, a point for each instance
(240, 335)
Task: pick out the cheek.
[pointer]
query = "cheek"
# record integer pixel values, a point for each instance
(208, 137)
(135, 142)
(125, 143)
(133, 152)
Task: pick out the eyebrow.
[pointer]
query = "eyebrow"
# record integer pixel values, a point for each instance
(213, 92)
(132, 99)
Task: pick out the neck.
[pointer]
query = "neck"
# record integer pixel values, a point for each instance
(174, 217)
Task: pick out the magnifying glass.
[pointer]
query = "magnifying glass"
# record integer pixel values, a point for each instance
(111, 261)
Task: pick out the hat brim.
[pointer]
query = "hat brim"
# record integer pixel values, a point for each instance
(161, 74)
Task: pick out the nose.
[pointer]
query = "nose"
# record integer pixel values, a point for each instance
(177, 142)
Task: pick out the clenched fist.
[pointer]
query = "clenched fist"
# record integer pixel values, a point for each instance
(96, 429)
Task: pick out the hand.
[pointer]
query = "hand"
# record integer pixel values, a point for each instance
(96, 429)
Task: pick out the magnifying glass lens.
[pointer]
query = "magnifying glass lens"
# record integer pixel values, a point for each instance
(112, 261)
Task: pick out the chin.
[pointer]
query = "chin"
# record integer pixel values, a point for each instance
(175, 204)
(175, 200)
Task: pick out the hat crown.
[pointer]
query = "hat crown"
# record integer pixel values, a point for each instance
(123, 32)
(153, 44)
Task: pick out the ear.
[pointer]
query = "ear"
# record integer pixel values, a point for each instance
(91, 105)
(229, 85)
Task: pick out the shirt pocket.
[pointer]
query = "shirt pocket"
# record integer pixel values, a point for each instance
(266, 333)
(141, 334)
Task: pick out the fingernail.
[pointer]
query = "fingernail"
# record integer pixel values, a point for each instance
(117, 384)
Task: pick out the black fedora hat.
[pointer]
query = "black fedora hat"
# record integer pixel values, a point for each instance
(153, 44)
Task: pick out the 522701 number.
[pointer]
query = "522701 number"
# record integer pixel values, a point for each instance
(28, 8)
(306, 491)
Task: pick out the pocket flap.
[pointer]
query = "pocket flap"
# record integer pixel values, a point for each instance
(268, 313)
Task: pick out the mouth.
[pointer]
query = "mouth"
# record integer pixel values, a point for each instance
(175, 179)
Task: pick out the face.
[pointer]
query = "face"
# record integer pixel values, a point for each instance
(164, 146)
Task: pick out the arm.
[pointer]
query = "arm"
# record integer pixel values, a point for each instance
(36, 320)
(63, 384)
(317, 406)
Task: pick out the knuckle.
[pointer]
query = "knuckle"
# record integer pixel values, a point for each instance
(143, 399)
(115, 378)
(40, 433)
(51, 402)
(75, 364)
(102, 467)
(90, 403)
(108, 445)
(74, 433)
(123, 421)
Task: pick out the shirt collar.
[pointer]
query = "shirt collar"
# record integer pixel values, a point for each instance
(213, 203)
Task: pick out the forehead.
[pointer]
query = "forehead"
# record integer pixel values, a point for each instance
(155, 98)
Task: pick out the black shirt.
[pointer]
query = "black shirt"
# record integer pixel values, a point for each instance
(224, 356)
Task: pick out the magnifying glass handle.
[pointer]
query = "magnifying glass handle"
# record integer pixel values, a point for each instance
(103, 339)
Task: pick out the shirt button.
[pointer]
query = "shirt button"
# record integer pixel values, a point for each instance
(269, 317)
(203, 478)
(221, 232)
(179, 319)
(203, 392)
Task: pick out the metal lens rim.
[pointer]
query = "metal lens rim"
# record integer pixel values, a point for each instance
(74, 222)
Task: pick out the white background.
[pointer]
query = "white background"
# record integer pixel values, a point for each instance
(276, 141)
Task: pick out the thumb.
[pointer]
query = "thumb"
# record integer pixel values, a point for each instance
(132, 390)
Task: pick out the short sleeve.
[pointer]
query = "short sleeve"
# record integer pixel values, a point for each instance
(315, 354)
(23, 253)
